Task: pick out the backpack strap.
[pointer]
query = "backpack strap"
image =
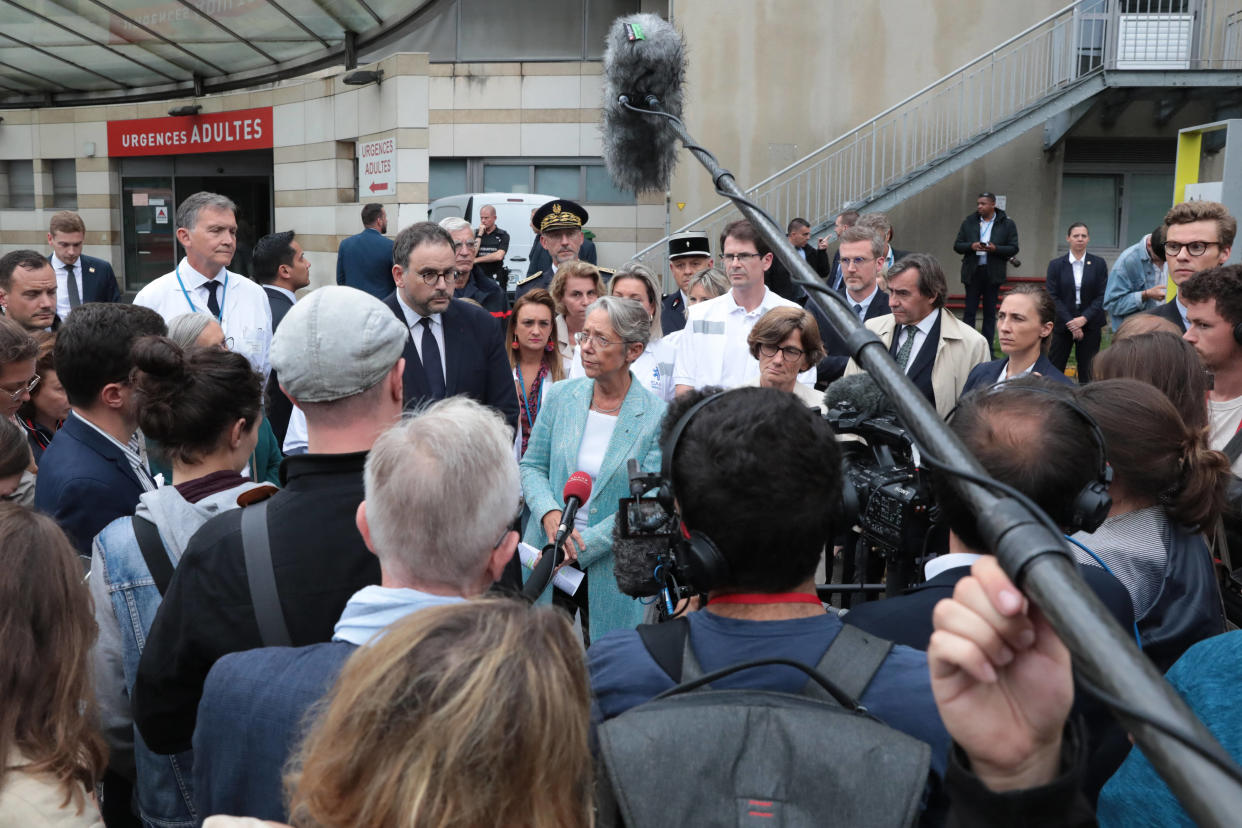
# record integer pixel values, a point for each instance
(1234, 447)
(262, 577)
(850, 662)
(667, 644)
(153, 552)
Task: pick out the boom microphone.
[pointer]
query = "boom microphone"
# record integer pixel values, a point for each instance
(859, 393)
(644, 66)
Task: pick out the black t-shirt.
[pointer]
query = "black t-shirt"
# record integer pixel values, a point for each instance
(489, 243)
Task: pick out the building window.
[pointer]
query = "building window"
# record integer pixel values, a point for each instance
(1118, 207)
(493, 30)
(447, 176)
(19, 177)
(64, 183)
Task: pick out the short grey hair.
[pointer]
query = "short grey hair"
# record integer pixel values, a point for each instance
(186, 328)
(454, 223)
(876, 221)
(416, 235)
(441, 487)
(712, 278)
(628, 318)
(635, 270)
(187, 213)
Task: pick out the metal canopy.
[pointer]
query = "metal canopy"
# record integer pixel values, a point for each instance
(75, 52)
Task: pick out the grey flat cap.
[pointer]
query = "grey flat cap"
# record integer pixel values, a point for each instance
(337, 342)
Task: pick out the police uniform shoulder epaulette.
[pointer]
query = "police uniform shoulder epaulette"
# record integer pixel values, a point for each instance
(534, 275)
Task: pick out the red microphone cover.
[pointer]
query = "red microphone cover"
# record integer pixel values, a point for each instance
(578, 485)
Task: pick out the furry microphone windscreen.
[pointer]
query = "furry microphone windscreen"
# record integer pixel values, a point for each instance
(859, 392)
(645, 57)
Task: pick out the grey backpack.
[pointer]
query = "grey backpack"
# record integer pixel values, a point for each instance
(700, 756)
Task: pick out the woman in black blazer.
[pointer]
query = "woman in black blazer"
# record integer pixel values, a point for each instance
(1024, 324)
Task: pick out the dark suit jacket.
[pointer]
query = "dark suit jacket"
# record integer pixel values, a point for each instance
(907, 619)
(364, 261)
(1170, 312)
(985, 373)
(85, 483)
(920, 371)
(673, 314)
(833, 365)
(98, 280)
(484, 290)
(474, 357)
(540, 260)
(1060, 279)
(279, 409)
(1004, 236)
(251, 718)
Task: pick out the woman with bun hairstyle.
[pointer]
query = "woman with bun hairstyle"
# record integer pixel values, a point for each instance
(53, 754)
(204, 407)
(1167, 488)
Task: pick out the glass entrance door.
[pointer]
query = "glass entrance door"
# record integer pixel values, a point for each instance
(147, 216)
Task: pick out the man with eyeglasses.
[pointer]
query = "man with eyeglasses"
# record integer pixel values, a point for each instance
(471, 281)
(861, 255)
(454, 347)
(712, 350)
(1198, 235)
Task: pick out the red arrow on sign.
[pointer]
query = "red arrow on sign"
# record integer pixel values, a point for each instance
(375, 188)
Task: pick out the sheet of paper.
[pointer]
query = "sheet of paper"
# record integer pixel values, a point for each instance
(567, 580)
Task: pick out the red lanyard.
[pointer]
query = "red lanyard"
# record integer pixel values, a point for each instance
(766, 598)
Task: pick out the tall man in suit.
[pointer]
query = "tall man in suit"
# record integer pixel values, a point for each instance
(364, 261)
(688, 253)
(1198, 236)
(861, 256)
(95, 468)
(79, 278)
(281, 267)
(28, 290)
(454, 347)
(935, 350)
(987, 240)
(1077, 282)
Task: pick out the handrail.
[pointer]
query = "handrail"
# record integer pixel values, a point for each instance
(1047, 58)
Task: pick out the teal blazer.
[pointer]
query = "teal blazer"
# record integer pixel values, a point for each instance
(552, 456)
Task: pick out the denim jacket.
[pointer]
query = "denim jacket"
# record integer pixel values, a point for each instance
(126, 600)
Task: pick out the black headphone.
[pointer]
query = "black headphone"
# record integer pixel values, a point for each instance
(699, 558)
(1092, 502)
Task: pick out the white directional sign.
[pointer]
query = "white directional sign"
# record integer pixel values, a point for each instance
(377, 169)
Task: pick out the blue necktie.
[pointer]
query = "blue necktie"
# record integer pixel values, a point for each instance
(431, 361)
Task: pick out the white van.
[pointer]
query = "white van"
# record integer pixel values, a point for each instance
(512, 215)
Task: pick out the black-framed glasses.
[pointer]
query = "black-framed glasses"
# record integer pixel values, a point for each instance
(741, 257)
(1194, 248)
(790, 352)
(432, 277)
(582, 337)
(28, 388)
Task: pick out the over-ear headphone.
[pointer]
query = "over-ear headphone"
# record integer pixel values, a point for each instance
(1091, 504)
(700, 560)
(1237, 333)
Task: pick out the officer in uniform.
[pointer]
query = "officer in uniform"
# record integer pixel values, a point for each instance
(559, 223)
(493, 245)
(688, 253)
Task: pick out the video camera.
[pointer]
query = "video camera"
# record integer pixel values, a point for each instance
(649, 545)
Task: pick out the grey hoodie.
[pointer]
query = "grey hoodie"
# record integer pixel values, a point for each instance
(177, 520)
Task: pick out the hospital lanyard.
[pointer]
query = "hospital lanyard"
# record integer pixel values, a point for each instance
(193, 308)
(530, 418)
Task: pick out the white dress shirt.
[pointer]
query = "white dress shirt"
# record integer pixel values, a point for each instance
(62, 285)
(413, 322)
(245, 314)
(1077, 265)
(923, 331)
(712, 349)
(865, 302)
(985, 236)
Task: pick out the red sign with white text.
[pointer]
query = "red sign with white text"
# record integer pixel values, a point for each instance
(243, 129)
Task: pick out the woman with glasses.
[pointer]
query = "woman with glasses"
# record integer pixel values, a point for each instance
(42, 415)
(654, 367)
(204, 407)
(200, 330)
(786, 342)
(595, 424)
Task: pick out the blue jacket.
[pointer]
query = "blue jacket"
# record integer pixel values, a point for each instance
(98, 280)
(85, 482)
(364, 261)
(552, 456)
(126, 600)
(985, 373)
(1132, 273)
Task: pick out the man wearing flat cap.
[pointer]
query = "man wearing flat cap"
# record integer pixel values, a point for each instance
(560, 224)
(339, 356)
(688, 253)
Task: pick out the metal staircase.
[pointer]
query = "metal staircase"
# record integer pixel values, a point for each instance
(1048, 74)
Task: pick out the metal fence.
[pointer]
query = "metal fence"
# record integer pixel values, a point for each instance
(1078, 41)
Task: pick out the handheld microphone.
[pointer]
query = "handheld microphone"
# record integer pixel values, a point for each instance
(644, 66)
(576, 492)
